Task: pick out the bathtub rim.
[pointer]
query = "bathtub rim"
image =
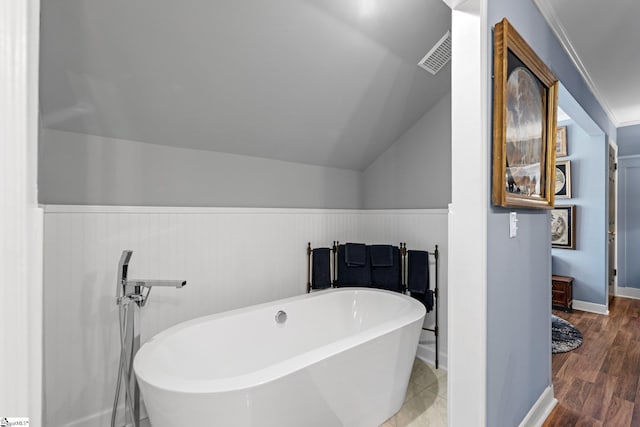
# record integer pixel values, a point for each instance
(415, 313)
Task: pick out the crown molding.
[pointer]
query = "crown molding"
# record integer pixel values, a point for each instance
(628, 123)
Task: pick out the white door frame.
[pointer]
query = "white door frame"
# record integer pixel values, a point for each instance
(613, 144)
(20, 218)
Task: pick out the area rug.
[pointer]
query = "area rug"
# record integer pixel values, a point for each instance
(564, 336)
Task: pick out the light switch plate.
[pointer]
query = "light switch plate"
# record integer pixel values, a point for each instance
(513, 224)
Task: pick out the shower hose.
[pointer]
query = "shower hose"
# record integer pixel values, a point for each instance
(126, 365)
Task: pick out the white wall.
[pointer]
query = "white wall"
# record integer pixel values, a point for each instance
(90, 170)
(415, 172)
(231, 257)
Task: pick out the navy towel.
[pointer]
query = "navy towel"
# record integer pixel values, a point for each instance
(352, 275)
(388, 277)
(426, 299)
(355, 254)
(381, 255)
(418, 272)
(321, 268)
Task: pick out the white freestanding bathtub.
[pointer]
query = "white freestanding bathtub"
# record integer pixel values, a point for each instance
(343, 357)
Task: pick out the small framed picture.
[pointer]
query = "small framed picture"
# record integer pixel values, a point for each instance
(563, 227)
(563, 179)
(561, 141)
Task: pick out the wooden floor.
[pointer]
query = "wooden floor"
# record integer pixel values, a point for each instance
(597, 384)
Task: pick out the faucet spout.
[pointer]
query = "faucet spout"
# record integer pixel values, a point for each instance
(134, 288)
(151, 283)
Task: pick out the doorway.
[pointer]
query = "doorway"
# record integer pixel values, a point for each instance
(611, 230)
(587, 164)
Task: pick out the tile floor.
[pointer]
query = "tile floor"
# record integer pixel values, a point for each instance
(425, 404)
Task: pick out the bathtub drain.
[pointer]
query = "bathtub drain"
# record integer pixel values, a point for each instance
(281, 316)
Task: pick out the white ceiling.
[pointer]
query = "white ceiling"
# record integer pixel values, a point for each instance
(327, 82)
(603, 38)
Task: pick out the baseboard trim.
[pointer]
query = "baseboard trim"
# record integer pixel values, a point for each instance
(541, 409)
(591, 307)
(627, 292)
(103, 418)
(427, 354)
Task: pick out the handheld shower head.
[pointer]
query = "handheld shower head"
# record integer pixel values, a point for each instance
(123, 267)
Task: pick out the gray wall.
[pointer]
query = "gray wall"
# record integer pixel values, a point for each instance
(628, 140)
(629, 222)
(587, 264)
(89, 170)
(415, 172)
(519, 269)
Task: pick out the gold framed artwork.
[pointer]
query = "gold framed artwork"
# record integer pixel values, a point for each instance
(563, 179)
(525, 97)
(563, 227)
(561, 141)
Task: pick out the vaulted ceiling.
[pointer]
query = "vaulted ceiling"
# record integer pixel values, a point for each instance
(326, 82)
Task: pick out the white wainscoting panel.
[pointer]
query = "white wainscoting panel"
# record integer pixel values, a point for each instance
(230, 258)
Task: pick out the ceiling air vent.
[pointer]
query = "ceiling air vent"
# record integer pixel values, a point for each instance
(438, 56)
